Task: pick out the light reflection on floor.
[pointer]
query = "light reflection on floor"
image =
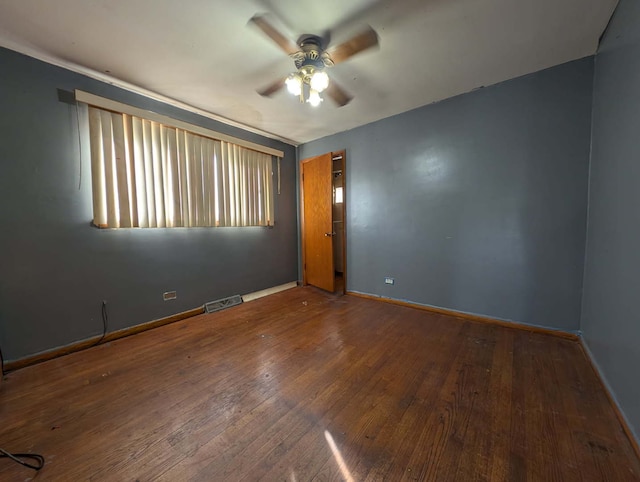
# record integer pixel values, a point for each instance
(338, 456)
(346, 474)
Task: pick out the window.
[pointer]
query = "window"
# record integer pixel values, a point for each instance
(339, 195)
(148, 174)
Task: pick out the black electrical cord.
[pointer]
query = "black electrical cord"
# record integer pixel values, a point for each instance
(105, 322)
(39, 459)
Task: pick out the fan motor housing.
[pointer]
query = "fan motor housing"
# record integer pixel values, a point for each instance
(310, 53)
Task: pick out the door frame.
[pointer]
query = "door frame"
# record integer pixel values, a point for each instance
(334, 156)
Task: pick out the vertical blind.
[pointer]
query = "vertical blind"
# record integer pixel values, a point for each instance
(146, 174)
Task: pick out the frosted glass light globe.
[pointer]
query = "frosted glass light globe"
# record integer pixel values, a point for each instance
(319, 81)
(314, 98)
(294, 84)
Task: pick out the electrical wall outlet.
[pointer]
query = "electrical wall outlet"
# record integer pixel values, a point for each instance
(169, 295)
(389, 281)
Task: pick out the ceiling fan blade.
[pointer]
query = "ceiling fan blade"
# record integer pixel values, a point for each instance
(287, 45)
(364, 40)
(272, 88)
(338, 94)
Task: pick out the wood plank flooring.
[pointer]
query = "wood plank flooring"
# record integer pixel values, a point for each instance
(304, 385)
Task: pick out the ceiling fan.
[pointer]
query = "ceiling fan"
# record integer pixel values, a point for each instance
(311, 55)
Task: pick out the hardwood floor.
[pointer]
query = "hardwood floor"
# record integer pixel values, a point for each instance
(304, 385)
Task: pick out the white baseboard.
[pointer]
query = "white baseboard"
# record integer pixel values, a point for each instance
(269, 291)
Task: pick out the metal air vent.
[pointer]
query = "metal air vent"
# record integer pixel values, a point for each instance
(222, 303)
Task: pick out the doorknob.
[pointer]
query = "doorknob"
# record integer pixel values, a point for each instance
(329, 234)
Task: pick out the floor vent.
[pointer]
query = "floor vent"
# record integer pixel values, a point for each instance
(222, 304)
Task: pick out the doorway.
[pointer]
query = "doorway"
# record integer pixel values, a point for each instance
(323, 222)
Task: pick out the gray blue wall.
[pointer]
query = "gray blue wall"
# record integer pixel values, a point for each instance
(55, 269)
(477, 203)
(610, 320)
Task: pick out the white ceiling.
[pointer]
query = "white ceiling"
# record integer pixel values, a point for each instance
(203, 54)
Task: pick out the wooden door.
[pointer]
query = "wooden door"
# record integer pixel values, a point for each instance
(317, 225)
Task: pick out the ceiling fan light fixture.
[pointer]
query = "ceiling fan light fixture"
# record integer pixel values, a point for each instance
(311, 55)
(294, 84)
(314, 98)
(319, 81)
